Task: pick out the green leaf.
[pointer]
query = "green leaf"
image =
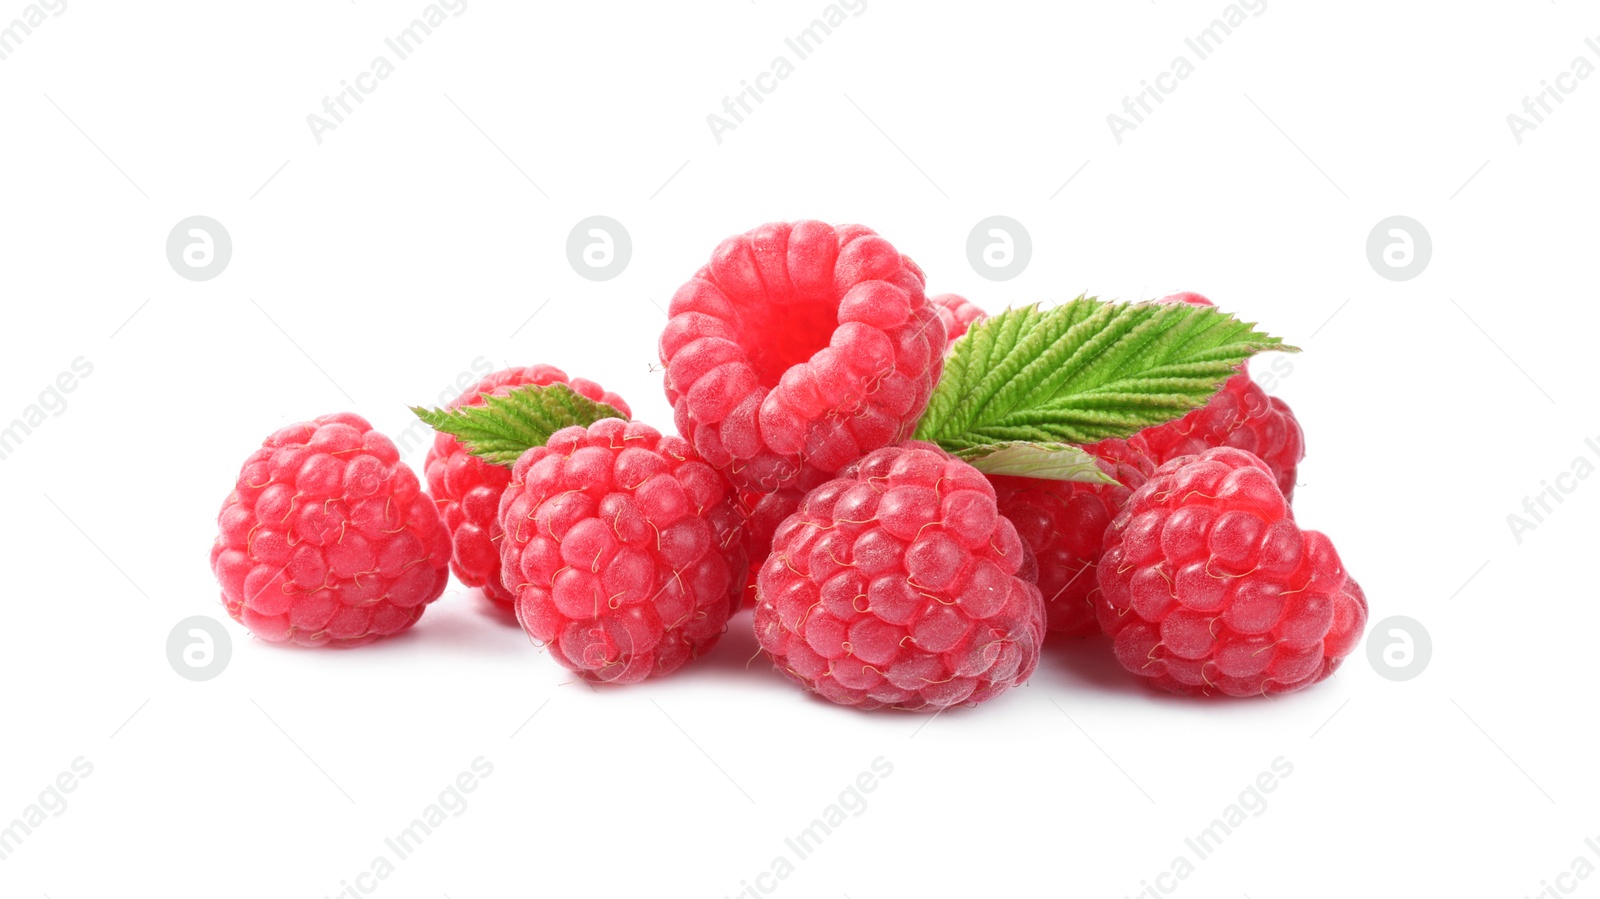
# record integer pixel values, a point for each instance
(1044, 461)
(505, 427)
(1084, 371)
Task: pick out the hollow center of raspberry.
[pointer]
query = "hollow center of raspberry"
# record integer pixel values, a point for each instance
(788, 336)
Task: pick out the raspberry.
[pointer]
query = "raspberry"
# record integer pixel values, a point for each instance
(468, 489)
(957, 313)
(763, 512)
(896, 584)
(1208, 585)
(797, 349)
(328, 539)
(1240, 415)
(623, 550)
(1063, 522)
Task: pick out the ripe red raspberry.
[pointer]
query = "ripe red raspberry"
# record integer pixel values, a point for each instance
(623, 550)
(1063, 523)
(957, 313)
(798, 349)
(1240, 415)
(468, 489)
(763, 512)
(1207, 584)
(328, 539)
(896, 584)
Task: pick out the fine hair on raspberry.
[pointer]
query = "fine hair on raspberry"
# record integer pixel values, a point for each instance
(762, 514)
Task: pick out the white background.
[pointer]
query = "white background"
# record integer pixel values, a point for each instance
(372, 269)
